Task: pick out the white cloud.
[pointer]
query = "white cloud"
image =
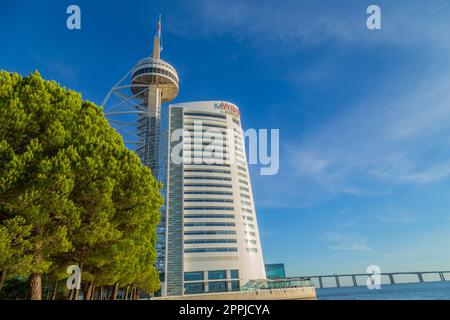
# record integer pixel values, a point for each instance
(343, 239)
(371, 140)
(394, 138)
(346, 241)
(291, 25)
(397, 218)
(432, 174)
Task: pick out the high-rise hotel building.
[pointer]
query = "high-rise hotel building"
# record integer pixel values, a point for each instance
(212, 240)
(208, 239)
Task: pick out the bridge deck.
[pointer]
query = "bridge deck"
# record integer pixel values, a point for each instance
(391, 275)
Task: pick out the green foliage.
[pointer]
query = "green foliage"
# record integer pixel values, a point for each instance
(14, 289)
(70, 191)
(14, 247)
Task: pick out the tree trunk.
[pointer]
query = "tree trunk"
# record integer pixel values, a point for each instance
(35, 282)
(101, 293)
(94, 287)
(93, 291)
(132, 292)
(88, 291)
(126, 292)
(115, 290)
(55, 289)
(2, 278)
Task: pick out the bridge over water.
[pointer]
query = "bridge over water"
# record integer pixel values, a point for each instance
(390, 275)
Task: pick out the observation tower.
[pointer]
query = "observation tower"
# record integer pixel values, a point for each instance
(133, 108)
(151, 83)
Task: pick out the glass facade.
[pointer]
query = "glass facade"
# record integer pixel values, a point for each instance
(219, 286)
(155, 71)
(220, 274)
(193, 276)
(194, 288)
(211, 281)
(275, 271)
(268, 284)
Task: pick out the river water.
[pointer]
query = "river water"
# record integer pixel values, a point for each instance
(405, 291)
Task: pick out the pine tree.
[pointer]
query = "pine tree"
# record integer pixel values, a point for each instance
(71, 189)
(14, 244)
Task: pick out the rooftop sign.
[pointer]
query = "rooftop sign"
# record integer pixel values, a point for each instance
(227, 108)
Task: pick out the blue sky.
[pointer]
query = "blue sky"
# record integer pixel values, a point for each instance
(364, 116)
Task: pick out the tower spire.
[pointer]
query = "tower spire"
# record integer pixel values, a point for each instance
(157, 47)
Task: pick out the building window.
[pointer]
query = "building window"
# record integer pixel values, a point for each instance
(241, 168)
(234, 274)
(275, 271)
(209, 224)
(206, 250)
(209, 115)
(209, 216)
(207, 185)
(193, 276)
(225, 193)
(207, 170)
(220, 286)
(209, 232)
(200, 241)
(235, 285)
(242, 175)
(218, 274)
(194, 288)
(210, 208)
(197, 129)
(206, 125)
(209, 200)
(207, 178)
(216, 165)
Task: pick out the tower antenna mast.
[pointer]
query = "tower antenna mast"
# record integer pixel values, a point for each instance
(157, 41)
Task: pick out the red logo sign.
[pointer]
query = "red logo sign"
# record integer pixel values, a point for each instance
(228, 108)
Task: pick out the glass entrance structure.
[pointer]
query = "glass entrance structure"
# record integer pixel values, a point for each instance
(288, 283)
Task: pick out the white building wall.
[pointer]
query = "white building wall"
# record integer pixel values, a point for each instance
(231, 191)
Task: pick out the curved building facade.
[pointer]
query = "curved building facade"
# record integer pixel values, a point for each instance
(212, 238)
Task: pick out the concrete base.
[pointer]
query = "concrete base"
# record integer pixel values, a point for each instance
(307, 293)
